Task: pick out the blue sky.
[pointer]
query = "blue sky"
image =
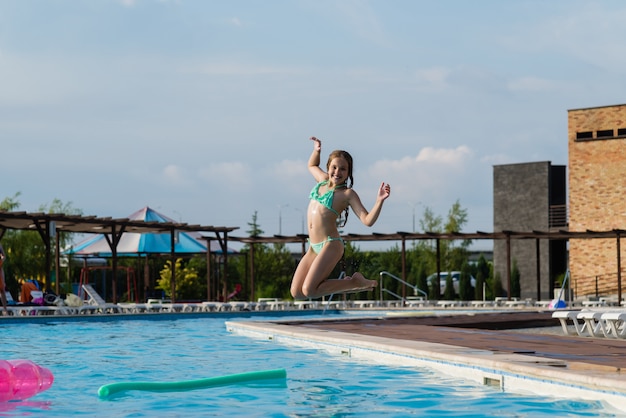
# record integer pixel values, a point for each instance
(202, 109)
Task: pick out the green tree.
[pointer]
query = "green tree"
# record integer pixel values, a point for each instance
(455, 251)
(10, 203)
(26, 250)
(373, 263)
(421, 275)
(188, 284)
(448, 293)
(466, 292)
(482, 276)
(273, 265)
(274, 270)
(198, 264)
(427, 248)
(434, 290)
(498, 291)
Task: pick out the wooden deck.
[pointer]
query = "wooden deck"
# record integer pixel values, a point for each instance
(489, 331)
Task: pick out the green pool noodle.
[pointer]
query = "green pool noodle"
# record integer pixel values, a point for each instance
(184, 385)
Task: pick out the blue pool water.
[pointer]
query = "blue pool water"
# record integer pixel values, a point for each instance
(84, 355)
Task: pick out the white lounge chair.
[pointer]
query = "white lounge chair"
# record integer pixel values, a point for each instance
(565, 317)
(594, 324)
(615, 324)
(96, 303)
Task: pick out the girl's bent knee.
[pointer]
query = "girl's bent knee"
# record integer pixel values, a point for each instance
(296, 293)
(309, 291)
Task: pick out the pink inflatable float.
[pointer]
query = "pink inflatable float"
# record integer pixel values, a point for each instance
(22, 379)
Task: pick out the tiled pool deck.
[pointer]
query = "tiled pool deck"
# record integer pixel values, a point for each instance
(514, 351)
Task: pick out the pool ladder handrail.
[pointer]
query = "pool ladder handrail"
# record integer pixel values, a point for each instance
(416, 289)
(330, 298)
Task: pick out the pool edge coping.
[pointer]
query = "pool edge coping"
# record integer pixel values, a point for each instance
(516, 373)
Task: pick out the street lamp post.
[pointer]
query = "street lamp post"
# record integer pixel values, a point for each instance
(413, 206)
(280, 218)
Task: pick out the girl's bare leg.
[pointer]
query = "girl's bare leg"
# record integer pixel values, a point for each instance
(348, 284)
(316, 283)
(300, 275)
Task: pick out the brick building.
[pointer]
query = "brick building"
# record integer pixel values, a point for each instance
(530, 197)
(597, 195)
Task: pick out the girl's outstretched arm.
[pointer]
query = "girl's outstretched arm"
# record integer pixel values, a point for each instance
(369, 218)
(314, 161)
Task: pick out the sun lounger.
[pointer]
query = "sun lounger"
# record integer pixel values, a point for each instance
(365, 303)
(208, 306)
(603, 323)
(482, 303)
(306, 304)
(279, 305)
(17, 309)
(615, 324)
(593, 303)
(567, 317)
(132, 308)
(335, 304)
(95, 302)
(35, 310)
(586, 322)
(594, 324)
(448, 303)
(516, 303)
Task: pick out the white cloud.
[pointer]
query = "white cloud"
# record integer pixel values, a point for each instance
(222, 92)
(362, 20)
(290, 175)
(430, 173)
(228, 175)
(448, 156)
(235, 22)
(532, 84)
(290, 168)
(428, 160)
(435, 76)
(174, 175)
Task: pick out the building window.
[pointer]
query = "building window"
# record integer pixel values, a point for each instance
(601, 134)
(606, 133)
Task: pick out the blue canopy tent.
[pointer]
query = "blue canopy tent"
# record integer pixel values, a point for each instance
(134, 244)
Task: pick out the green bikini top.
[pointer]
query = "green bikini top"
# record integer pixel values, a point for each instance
(327, 198)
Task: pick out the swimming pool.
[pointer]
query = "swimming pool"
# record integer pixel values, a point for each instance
(86, 354)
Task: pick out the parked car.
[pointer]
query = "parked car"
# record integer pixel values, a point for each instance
(456, 276)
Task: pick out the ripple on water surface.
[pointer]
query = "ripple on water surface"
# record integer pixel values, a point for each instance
(86, 355)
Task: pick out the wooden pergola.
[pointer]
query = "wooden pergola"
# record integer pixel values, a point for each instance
(51, 225)
(403, 237)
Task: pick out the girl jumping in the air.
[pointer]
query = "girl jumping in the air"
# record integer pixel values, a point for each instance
(332, 195)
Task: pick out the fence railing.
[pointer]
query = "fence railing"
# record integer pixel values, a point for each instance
(416, 290)
(598, 285)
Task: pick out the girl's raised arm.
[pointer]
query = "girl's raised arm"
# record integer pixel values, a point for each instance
(314, 161)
